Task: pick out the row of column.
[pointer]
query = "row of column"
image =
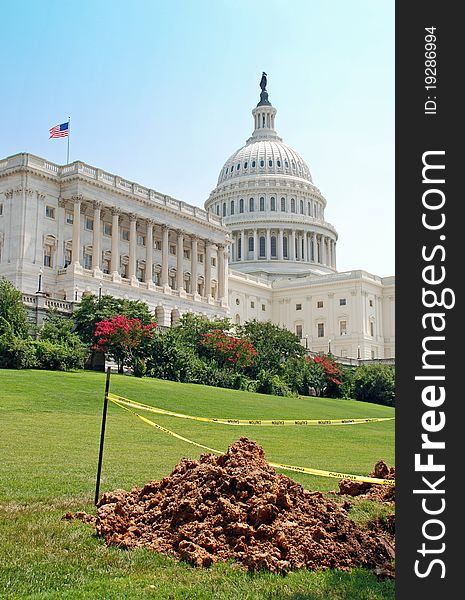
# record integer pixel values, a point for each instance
(222, 266)
(299, 246)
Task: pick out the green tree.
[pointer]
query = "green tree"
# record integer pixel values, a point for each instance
(13, 314)
(273, 344)
(375, 383)
(92, 310)
(190, 328)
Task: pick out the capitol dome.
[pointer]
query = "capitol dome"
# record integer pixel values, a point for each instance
(268, 201)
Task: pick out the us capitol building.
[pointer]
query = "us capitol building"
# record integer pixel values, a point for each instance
(261, 249)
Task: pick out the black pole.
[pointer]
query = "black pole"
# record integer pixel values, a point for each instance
(102, 436)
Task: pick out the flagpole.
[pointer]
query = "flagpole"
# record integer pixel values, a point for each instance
(69, 131)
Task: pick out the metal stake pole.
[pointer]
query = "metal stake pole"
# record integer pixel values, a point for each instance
(102, 436)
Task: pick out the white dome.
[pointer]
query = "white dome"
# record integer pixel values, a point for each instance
(263, 157)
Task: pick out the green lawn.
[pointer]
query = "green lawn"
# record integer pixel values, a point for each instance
(49, 445)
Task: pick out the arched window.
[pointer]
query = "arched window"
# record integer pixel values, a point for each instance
(218, 209)
(231, 207)
(285, 247)
(292, 205)
(239, 247)
(283, 204)
(251, 205)
(293, 165)
(232, 168)
(251, 244)
(262, 246)
(262, 203)
(238, 166)
(245, 165)
(312, 251)
(273, 203)
(309, 209)
(224, 209)
(278, 162)
(253, 164)
(241, 205)
(286, 164)
(301, 207)
(262, 163)
(273, 247)
(270, 163)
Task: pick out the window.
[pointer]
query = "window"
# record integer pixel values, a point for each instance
(298, 331)
(224, 209)
(232, 168)
(283, 204)
(172, 249)
(321, 330)
(273, 247)
(107, 228)
(309, 209)
(285, 248)
(292, 205)
(319, 304)
(89, 223)
(262, 246)
(200, 258)
(301, 207)
(50, 212)
(252, 304)
(270, 163)
(238, 166)
(187, 253)
(238, 301)
(67, 260)
(125, 234)
(218, 209)
(106, 266)
(231, 208)
(69, 218)
(48, 256)
(286, 163)
(1, 209)
(373, 354)
(342, 301)
(157, 244)
(278, 162)
(262, 203)
(140, 273)
(262, 163)
(372, 329)
(245, 165)
(87, 261)
(273, 203)
(298, 306)
(141, 240)
(251, 241)
(263, 307)
(213, 261)
(239, 247)
(251, 205)
(241, 205)
(253, 164)
(371, 303)
(342, 327)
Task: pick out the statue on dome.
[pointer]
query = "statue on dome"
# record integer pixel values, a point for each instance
(263, 81)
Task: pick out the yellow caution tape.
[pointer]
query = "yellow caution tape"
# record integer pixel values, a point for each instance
(306, 470)
(266, 422)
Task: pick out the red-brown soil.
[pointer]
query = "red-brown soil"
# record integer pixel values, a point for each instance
(372, 491)
(235, 506)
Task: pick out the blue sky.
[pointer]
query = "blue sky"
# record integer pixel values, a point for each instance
(161, 93)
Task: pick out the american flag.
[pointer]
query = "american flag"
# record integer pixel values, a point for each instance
(60, 131)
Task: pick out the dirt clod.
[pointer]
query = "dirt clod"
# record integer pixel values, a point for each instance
(372, 491)
(235, 506)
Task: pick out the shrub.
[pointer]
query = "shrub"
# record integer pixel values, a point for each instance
(58, 356)
(13, 314)
(228, 351)
(16, 352)
(270, 383)
(169, 359)
(375, 383)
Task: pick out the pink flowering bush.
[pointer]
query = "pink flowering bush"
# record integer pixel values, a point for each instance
(237, 353)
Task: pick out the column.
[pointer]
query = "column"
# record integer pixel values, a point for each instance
(208, 269)
(165, 232)
(226, 274)
(61, 228)
(268, 244)
(304, 246)
(149, 253)
(180, 261)
(313, 245)
(96, 237)
(220, 269)
(280, 244)
(194, 252)
(115, 242)
(132, 246)
(255, 245)
(292, 246)
(76, 247)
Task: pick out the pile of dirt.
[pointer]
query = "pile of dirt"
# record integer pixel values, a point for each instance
(235, 506)
(372, 491)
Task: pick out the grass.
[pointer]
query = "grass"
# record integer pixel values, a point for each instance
(49, 446)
